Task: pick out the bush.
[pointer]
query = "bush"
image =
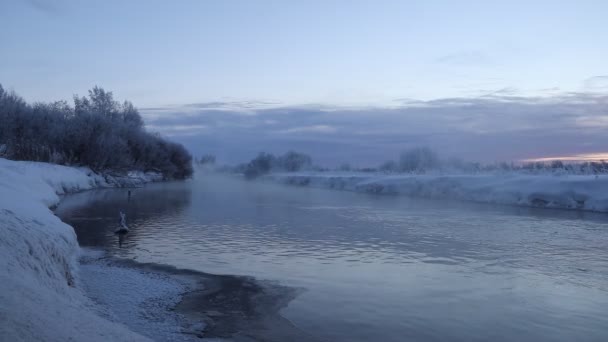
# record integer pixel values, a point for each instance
(389, 166)
(266, 162)
(419, 159)
(260, 165)
(207, 159)
(293, 161)
(97, 132)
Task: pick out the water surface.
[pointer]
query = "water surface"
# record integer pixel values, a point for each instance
(373, 267)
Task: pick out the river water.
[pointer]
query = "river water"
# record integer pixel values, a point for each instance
(370, 267)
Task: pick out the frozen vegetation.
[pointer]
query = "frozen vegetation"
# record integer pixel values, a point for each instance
(549, 190)
(419, 172)
(265, 163)
(95, 132)
(40, 299)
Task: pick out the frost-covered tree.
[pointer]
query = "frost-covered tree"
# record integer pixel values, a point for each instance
(260, 165)
(418, 159)
(263, 163)
(207, 159)
(293, 161)
(557, 164)
(345, 167)
(389, 166)
(96, 131)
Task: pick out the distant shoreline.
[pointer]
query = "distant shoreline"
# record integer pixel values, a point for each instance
(569, 192)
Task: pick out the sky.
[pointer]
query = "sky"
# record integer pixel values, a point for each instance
(345, 81)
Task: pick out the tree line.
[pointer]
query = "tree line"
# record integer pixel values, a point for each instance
(95, 131)
(417, 160)
(423, 159)
(264, 163)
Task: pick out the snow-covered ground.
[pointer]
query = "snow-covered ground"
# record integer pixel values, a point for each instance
(40, 299)
(579, 192)
(142, 300)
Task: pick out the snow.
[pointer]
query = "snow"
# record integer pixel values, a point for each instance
(142, 300)
(39, 296)
(578, 192)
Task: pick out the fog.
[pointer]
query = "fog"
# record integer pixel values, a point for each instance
(369, 265)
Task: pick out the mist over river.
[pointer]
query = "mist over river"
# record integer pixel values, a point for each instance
(372, 267)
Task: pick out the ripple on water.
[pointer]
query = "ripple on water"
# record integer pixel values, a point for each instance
(388, 267)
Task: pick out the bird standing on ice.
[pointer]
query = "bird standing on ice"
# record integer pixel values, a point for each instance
(123, 229)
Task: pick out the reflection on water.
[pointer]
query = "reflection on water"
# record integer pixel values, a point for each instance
(95, 214)
(374, 267)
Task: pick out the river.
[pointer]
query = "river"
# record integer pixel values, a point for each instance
(372, 267)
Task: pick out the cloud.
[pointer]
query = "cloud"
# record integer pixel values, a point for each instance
(500, 126)
(45, 6)
(466, 59)
(310, 129)
(503, 92)
(242, 107)
(596, 83)
(584, 157)
(180, 130)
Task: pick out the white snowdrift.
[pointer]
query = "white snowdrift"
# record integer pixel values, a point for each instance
(580, 192)
(38, 297)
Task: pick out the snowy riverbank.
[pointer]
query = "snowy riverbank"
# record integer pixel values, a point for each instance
(51, 290)
(579, 192)
(40, 299)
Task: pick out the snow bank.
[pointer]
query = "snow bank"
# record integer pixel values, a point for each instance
(38, 267)
(580, 192)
